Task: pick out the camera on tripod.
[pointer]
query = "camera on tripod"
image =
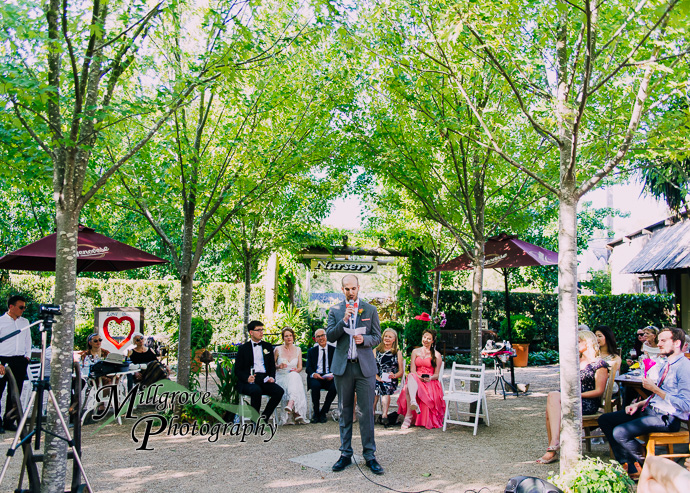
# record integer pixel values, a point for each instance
(47, 313)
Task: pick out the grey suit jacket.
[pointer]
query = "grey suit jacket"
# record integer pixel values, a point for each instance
(335, 332)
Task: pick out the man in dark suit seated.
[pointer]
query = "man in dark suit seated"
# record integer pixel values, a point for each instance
(255, 367)
(319, 376)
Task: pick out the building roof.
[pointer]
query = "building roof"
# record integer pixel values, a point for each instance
(667, 250)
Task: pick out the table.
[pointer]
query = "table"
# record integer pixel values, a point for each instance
(633, 382)
(90, 400)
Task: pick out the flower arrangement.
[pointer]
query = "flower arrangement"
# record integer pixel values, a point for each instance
(440, 320)
(228, 348)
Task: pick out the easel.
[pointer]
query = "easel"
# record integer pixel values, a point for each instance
(24, 434)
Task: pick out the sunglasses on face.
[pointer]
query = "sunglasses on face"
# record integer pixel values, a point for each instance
(640, 335)
(96, 340)
(137, 339)
(22, 308)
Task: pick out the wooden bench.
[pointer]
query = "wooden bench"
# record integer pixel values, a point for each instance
(459, 341)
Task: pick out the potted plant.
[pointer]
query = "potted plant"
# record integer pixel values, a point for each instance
(523, 332)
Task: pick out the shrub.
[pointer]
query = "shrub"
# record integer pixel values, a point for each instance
(546, 357)
(593, 474)
(82, 331)
(413, 333)
(202, 333)
(625, 313)
(392, 324)
(524, 329)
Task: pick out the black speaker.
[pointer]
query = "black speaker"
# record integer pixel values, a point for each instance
(524, 484)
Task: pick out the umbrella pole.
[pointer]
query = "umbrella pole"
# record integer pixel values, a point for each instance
(510, 330)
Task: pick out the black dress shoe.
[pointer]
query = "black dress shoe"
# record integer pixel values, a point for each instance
(342, 463)
(324, 418)
(374, 466)
(10, 427)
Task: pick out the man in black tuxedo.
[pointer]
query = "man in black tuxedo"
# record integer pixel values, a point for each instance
(319, 362)
(255, 367)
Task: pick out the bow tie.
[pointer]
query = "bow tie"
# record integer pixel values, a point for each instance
(256, 344)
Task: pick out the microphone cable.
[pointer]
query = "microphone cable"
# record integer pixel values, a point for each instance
(419, 491)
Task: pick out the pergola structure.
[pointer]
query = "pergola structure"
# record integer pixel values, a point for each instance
(331, 259)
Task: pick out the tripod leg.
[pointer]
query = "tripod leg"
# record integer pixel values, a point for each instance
(65, 429)
(17, 436)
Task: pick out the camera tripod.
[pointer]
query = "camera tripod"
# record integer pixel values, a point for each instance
(40, 387)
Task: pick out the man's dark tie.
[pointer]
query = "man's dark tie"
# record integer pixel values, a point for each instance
(325, 360)
(256, 344)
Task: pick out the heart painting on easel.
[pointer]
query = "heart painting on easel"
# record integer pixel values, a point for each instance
(118, 327)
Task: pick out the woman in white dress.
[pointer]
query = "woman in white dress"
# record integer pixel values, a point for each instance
(288, 368)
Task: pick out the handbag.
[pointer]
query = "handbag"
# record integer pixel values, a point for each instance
(103, 368)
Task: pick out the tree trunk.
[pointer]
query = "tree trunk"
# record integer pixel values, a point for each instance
(184, 350)
(571, 410)
(247, 296)
(477, 302)
(55, 465)
(270, 286)
(435, 293)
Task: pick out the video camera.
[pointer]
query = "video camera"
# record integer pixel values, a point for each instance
(47, 313)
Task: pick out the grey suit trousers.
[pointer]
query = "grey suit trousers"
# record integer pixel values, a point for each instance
(347, 384)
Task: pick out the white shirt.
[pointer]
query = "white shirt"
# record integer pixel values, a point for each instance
(19, 345)
(320, 368)
(259, 366)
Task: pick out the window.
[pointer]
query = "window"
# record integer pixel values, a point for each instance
(648, 286)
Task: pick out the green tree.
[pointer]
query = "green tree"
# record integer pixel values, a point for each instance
(269, 120)
(584, 76)
(65, 77)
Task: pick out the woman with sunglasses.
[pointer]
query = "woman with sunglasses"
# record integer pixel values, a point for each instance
(142, 355)
(93, 354)
(636, 351)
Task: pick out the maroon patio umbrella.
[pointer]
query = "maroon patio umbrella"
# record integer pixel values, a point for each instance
(501, 252)
(95, 253)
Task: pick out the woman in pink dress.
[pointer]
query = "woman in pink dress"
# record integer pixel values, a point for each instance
(424, 404)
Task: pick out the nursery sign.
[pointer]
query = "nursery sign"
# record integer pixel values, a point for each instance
(116, 325)
(361, 267)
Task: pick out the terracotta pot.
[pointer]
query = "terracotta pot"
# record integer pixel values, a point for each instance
(522, 352)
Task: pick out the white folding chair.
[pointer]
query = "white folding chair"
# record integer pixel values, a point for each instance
(245, 406)
(33, 371)
(462, 379)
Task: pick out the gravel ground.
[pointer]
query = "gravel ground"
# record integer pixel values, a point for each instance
(415, 459)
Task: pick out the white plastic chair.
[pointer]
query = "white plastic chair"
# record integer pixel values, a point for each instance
(462, 378)
(245, 406)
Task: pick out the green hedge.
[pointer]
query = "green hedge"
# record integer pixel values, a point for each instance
(624, 313)
(219, 303)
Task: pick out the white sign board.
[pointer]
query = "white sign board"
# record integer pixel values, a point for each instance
(116, 325)
(344, 266)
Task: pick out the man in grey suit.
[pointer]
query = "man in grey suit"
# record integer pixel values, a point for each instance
(354, 367)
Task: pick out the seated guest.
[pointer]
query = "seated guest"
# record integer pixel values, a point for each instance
(319, 376)
(593, 376)
(636, 351)
(391, 367)
(650, 348)
(288, 367)
(663, 411)
(608, 349)
(92, 355)
(423, 404)
(141, 354)
(255, 368)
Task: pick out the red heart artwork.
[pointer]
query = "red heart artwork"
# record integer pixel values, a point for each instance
(117, 320)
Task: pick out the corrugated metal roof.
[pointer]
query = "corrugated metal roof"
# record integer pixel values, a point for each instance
(668, 249)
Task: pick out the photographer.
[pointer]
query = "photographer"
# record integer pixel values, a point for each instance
(15, 352)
